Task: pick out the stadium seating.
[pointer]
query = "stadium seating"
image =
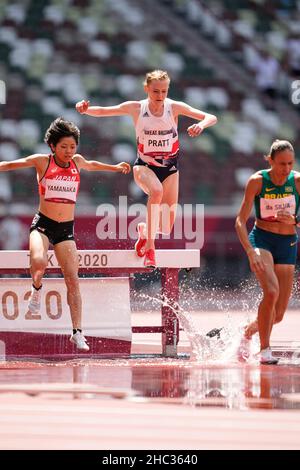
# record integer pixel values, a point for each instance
(56, 52)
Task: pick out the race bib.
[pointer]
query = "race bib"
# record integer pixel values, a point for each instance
(59, 189)
(270, 207)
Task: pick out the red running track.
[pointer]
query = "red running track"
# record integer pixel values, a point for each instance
(154, 402)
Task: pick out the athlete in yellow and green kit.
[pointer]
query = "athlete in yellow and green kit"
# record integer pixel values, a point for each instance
(272, 244)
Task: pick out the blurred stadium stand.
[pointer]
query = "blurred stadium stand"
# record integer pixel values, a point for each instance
(56, 52)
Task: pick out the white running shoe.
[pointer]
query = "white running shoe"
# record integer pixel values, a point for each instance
(34, 303)
(266, 356)
(79, 340)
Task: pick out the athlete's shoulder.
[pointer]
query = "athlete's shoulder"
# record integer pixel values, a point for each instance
(257, 176)
(133, 105)
(179, 107)
(44, 156)
(138, 105)
(175, 104)
(38, 159)
(296, 175)
(134, 102)
(78, 159)
(254, 183)
(170, 101)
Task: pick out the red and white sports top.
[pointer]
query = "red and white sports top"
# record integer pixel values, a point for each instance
(60, 184)
(157, 137)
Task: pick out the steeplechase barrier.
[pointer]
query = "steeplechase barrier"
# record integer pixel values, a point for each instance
(106, 304)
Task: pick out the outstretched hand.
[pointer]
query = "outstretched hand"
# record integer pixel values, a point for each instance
(82, 106)
(123, 167)
(195, 130)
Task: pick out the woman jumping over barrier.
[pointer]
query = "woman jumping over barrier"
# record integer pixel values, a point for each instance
(156, 167)
(58, 176)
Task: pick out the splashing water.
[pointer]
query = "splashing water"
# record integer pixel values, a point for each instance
(221, 348)
(209, 295)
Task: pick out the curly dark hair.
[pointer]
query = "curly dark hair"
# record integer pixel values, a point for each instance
(61, 128)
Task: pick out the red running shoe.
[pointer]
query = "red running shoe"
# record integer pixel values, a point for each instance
(149, 261)
(141, 242)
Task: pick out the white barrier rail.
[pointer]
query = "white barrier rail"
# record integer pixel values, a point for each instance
(106, 259)
(112, 262)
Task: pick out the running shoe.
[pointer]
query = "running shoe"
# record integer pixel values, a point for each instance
(141, 242)
(79, 340)
(149, 261)
(266, 356)
(34, 303)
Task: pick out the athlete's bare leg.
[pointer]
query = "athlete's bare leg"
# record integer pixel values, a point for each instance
(169, 203)
(270, 286)
(38, 246)
(67, 257)
(285, 276)
(150, 184)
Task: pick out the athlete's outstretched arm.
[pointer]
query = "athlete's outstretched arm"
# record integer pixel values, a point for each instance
(26, 162)
(93, 165)
(122, 109)
(206, 120)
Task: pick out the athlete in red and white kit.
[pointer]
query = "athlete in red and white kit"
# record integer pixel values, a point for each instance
(58, 176)
(156, 168)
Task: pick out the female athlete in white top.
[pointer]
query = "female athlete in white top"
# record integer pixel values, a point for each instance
(156, 168)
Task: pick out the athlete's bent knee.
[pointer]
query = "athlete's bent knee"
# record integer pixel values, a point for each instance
(72, 282)
(156, 195)
(271, 294)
